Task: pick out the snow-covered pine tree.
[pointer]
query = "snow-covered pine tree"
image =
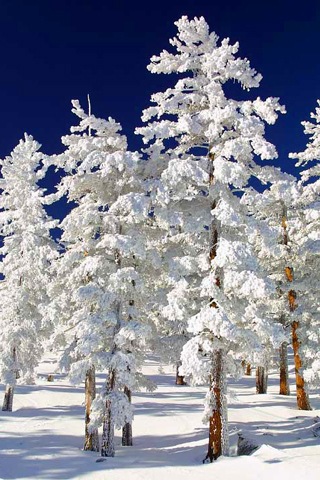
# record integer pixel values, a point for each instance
(305, 234)
(100, 268)
(28, 251)
(271, 207)
(201, 193)
(291, 207)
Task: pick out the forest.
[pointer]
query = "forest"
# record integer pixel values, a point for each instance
(197, 250)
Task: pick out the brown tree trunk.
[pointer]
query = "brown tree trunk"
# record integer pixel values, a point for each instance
(261, 380)
(302, 394)
(218, 423)
(246, 367)
(284, 375)
(91, 439)
(107, 442)
(127, 428)
(8, 399)
(14, 356)
(179, 378)
(8, 396)
(217, 434)
(283, 354)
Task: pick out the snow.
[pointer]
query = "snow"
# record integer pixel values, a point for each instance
(42, 438)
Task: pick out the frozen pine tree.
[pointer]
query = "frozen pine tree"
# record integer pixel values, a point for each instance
(28, 252)
(305, 233)
(275, 207)
(98, 276)
(201, 159)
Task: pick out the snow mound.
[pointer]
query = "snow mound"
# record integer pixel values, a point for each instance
(269, 454)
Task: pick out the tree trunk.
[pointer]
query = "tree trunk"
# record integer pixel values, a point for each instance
(127, 428)
(14, 356)
(246, 367)
(8, 399)
(261, 380)
(107, 441)
(91, 439)
(8, 396)
(179, 378)
(302, 393)
(218, 423)
(284, 375)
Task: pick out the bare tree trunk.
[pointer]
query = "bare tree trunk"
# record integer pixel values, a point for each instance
(107, 441)
(218, 433)
(8, 396)
(179, 378)
(215, 426)
(284, 375)
(302, 393)
(14, 356)
(127, 428)
(261, 380)
(218, 421)
(8, 399)
(91, 439)
(246, 367)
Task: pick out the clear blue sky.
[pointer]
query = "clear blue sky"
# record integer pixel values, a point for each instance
(53, 51)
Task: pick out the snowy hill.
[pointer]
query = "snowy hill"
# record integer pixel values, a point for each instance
(42, 438)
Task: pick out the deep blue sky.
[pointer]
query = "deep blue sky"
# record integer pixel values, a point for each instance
(53, 51)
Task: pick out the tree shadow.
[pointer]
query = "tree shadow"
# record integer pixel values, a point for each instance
(47, 412)
(295, 432)
(60, 457)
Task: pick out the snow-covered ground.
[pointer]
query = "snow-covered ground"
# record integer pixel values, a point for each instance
(42, 438)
